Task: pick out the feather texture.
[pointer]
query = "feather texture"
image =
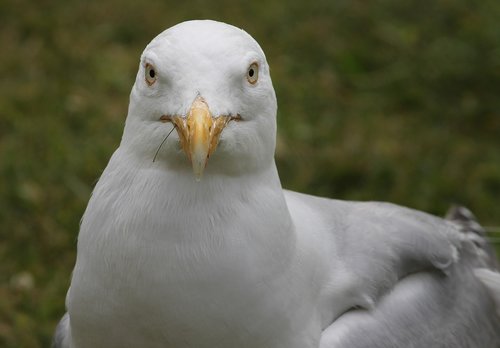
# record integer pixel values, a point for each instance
(235, 260)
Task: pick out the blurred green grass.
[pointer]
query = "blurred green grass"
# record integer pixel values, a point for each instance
(383, 100)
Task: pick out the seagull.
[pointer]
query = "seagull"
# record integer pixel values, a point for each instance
(190, 241)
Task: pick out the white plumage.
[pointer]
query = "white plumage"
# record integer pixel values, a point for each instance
(236, 261)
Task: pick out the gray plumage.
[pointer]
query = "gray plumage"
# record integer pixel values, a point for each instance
(62, 333)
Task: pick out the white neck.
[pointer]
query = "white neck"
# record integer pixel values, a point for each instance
(169, 207)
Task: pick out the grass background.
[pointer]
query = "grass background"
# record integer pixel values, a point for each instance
(381, 100)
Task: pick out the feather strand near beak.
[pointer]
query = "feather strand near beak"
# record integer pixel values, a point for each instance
(161, 144)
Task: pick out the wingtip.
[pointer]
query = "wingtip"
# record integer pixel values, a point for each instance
(465, 219)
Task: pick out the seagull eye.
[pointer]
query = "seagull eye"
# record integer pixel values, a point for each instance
(150, 74)
(253, 73)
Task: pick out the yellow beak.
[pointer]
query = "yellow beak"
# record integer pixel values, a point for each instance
(199, 134)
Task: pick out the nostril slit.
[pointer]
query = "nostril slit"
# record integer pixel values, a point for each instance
(165, 118)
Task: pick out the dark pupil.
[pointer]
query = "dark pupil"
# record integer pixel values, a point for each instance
(151, 73)
(250, 72)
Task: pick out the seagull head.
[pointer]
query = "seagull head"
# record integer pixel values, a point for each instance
(209, 83)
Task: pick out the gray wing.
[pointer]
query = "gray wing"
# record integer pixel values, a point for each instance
(427, 307)
(62, 334)
(424, 310)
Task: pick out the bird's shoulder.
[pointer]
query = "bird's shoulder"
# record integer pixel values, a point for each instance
(372, 245)
(374, 224)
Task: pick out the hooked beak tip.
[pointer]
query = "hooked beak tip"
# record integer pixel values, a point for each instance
(199, 165)
(199, 134)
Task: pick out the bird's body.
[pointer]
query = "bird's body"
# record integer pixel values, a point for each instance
(195, 285)
(236, 261)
